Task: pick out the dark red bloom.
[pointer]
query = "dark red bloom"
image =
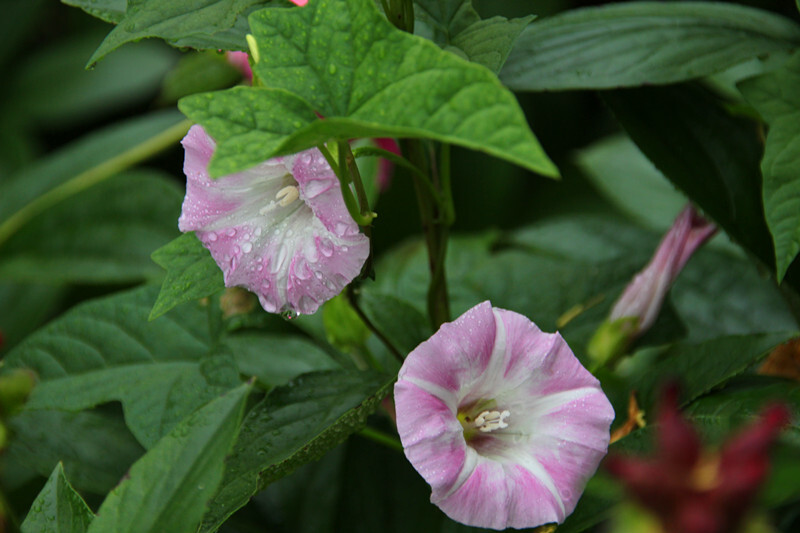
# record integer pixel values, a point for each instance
(695, 492)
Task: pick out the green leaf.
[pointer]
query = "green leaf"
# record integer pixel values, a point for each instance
(111, 11)
(710, 155)
(191, 273)
(642, 43)
(344, 60)
(95, 446)
(776, 96)
(277, 359)
(344, 329)
(403, 325)
(168, 488)
(456, 26)
(212, 25)
(58, 508)
(619, 170)
(295, 424)
(701, 367)
(104, 234)
(198, 72)
(25, 308)
(106, 350)
(81, 164)
(128, 79)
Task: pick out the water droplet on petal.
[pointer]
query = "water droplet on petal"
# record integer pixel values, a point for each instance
(247, 247)
(231, 232)
(212, 236)
(326, 247)
(289, 314)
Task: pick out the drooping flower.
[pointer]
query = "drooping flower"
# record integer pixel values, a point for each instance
(695, 492)
(501, 420)
(279, 229)
(640, 303)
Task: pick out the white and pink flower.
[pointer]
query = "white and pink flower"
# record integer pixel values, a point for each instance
(501, 420)
(643, 297)
(279, 229)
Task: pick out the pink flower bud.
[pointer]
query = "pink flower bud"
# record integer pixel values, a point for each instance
(643, 297)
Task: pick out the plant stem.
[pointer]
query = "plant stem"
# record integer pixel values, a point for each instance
(351, 297)
(93, 176)
(436, 226)
(347, 194)
(381, 438)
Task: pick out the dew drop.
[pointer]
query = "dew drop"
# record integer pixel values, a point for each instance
(289, 314)
(231, 232)
(212, 236)
(326, 248)
(247, 247)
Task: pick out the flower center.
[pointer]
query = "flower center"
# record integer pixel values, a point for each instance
(287, 195)
(482, 417)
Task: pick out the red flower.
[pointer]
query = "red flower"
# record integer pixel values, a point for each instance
(695, 492)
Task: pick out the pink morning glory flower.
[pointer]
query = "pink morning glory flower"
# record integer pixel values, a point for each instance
(643, 297)
(279, 229)
(501, 420)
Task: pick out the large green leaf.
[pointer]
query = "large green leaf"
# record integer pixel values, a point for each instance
(31, 191)
(343, 60)
(629, 180)
(277, 359)
(58, 508)
(295, 424)
(701, 367)
(642, 43)
(206, 25)
(95, 447)
(104, 234)
(191, 273)
(456, 26)
(167, 489)
(712, 156)
(128, 79)
(777, 97)
(107, 350)
(109, 10)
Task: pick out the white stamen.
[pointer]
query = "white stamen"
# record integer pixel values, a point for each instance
(490, 420)
(287, 195)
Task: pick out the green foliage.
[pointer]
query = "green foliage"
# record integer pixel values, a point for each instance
(58, 508)
(362, 75)
(109, 10)
(295, 424)
(699, 368)
(195, 73)
(127, 79)
(404, 326)
(167, 489)
(78, 157)
(95, 447)
(104, 234)
(276, 359)
(107, 350)
(776, 97)
(642, 43)
(191, 273)
(216, 24)
(619, 170)
(456, 26)
(712, 156)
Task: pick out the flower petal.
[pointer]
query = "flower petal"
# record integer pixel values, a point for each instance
(263, 230)
(457, 355)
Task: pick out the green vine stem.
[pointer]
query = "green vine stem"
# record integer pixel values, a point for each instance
(436, 223)
(93, 176)
(381, 438)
